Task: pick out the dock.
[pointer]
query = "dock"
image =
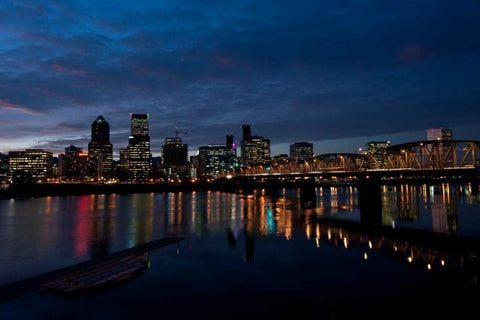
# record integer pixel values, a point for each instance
(114, 266)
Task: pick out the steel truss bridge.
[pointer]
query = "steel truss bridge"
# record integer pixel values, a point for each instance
(435, 156)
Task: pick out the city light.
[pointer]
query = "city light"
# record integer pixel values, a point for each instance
(320, 159)
(221, 161)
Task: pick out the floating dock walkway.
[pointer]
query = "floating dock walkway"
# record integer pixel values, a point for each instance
(113, 267)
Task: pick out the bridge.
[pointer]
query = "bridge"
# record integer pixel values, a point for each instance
(419, 158)
(420, 161)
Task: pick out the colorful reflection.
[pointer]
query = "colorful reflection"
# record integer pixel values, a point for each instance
(407, 204)
(409, 249)
(82, 227)
(90, 226)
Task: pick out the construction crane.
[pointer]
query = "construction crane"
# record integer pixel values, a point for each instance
(177, 132)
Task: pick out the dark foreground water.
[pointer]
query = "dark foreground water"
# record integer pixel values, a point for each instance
(248, 257)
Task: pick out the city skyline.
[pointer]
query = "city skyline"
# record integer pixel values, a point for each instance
(334, 74)
(191, 152)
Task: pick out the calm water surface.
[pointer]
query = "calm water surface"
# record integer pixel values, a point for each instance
(242, 257)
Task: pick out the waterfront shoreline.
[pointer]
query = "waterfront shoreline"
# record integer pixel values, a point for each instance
(22, 191)
(61, 189)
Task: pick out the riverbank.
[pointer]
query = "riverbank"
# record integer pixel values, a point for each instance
(20, 191)
(64, 189)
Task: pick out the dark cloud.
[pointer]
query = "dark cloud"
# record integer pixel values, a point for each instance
(311, 70)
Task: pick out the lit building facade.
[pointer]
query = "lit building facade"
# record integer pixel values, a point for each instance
(100, 150)
(175, 158)
(218, 158)
(139, 156)
(29, 166)
(376, 149)
(123, 161)
(445, 134)
(441, 134)
(197, 167)
(3, 163)
(255, 149)
(301, 151)
(74, 163)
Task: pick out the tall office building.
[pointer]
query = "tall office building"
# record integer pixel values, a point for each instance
(100, 150)
(246, 132)
(255, 149)
(123, 160)
(447, 134)
(139, 124)
(175, 158)
(74, 163)
(439, 134)
(444, 135)
(376, 149)
(29, 166)
(139, 156)
(3, 171)
(218, 158)
(301, 151)
(3, 163)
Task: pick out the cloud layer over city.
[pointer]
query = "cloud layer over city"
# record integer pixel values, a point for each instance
(335, 73)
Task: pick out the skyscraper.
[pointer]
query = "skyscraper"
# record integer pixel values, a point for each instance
(73, 164)
(100, 150)
(439, 134)
(139, 157)
(447, 134)
(3, 163)
(255, 149)
(139, 124)
(376, 150)
(175, 157)
(218, 158)
(301, 151)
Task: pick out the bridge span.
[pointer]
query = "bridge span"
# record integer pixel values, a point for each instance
(384, 174)
(436, 158)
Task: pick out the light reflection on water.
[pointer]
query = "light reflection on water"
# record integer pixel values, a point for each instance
(42, 234)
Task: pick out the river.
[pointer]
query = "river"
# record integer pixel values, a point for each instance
(249, 256)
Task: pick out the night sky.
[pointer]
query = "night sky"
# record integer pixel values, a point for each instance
(331, 72)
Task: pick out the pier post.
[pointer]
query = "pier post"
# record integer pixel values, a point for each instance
(370, 200)
(308, 196)
(244, 186)
(273, 188)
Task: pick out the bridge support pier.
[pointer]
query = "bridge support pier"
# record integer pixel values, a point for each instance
(308, 196)
(245, 186)
(273, 188)
(370, 200)
(475, 190)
